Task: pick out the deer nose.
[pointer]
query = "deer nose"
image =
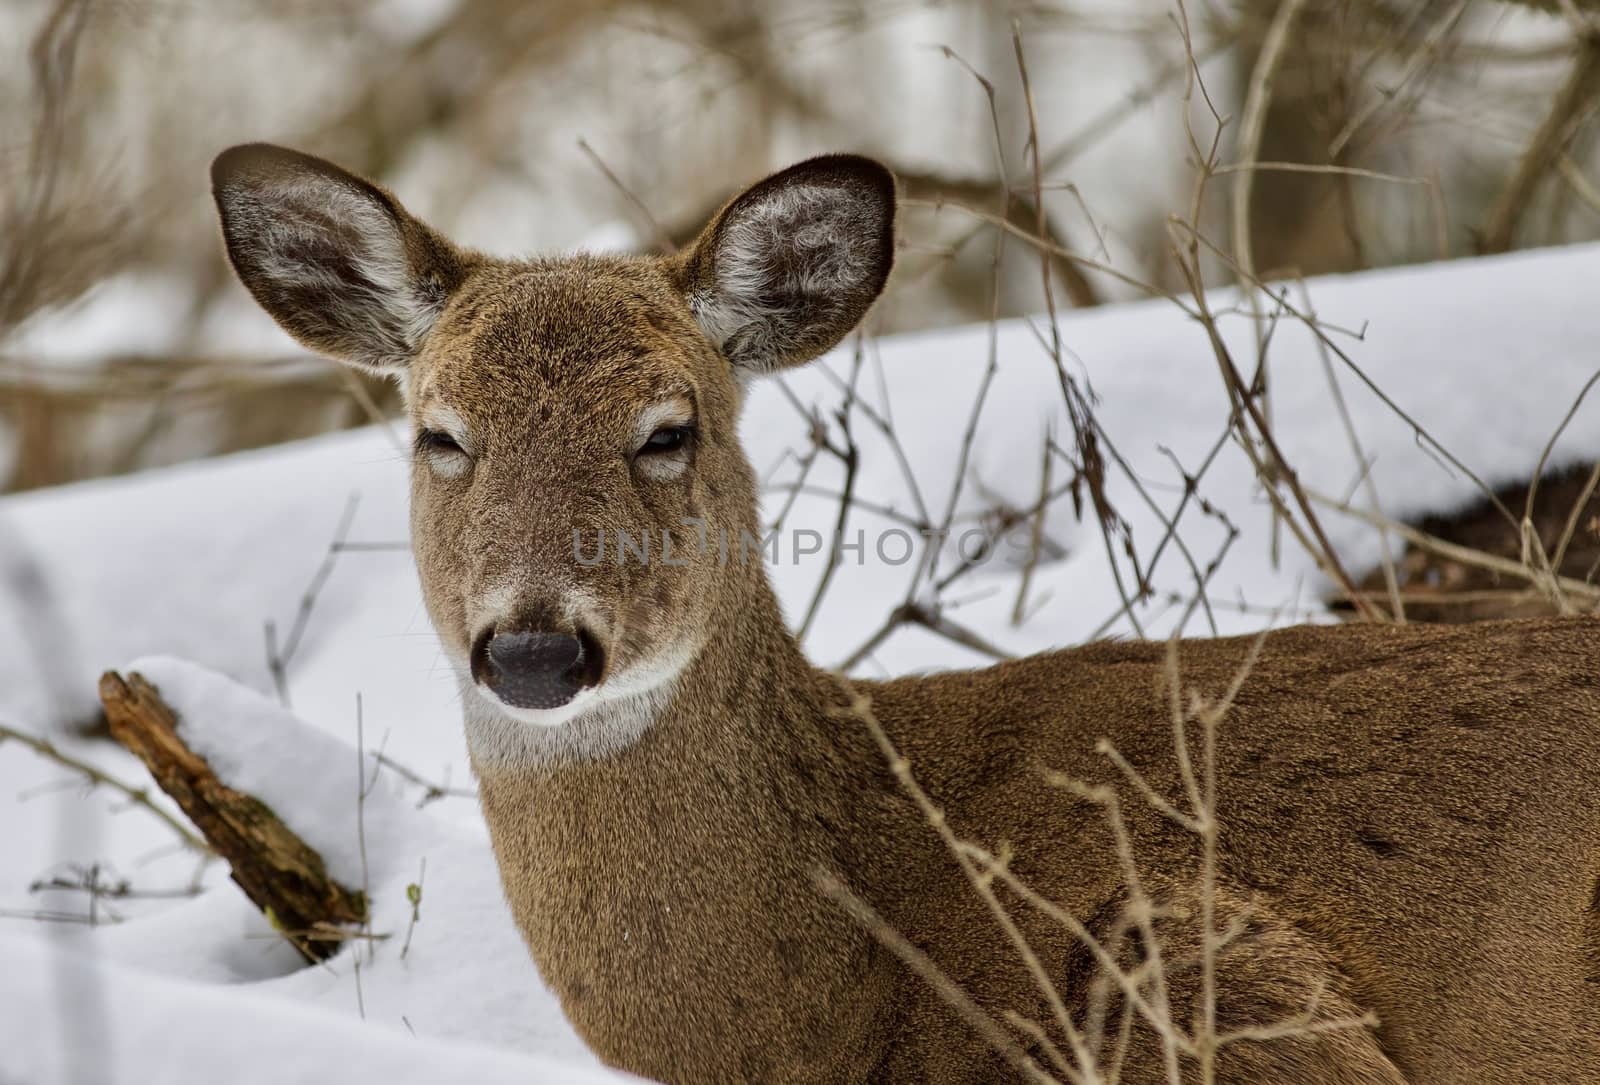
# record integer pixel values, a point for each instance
(536, 669)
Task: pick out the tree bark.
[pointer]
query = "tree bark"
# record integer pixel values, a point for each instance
(281, 873)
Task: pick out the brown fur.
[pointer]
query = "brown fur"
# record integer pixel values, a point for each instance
(1410, 817)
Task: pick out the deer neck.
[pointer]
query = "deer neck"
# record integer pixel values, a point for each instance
(673, 882)
(746, 775)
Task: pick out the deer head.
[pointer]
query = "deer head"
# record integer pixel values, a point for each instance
(580, 499)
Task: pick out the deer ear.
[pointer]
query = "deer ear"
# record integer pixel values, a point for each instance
(333, 258)
(790, 265)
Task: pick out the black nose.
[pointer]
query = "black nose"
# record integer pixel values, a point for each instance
(536, 670)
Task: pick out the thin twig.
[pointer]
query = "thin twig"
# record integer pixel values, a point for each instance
(658, 233)
(920, 963)
(1035, 538)
(1391, 580)
(136, 795)
(1572, 105)
(1252, 126)
(431, 792)
(1413, 66)
(278, 658)
(414, 898)
(1465, 555)
(1574, 516)
(861, 708)
(850, 457)
(1313, 167)
(362, 787)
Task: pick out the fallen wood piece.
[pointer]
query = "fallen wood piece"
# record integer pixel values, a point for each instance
(285, 877)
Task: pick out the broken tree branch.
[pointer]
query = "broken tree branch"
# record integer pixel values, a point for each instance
(285, 877)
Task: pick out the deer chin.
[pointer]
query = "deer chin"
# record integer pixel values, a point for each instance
(598, 722)
(585, 700)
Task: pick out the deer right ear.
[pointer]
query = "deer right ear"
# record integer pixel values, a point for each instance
(333, 258)
(791, 264)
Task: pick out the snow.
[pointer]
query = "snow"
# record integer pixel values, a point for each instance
(175, 573)
(263, 750)
(73, 1017)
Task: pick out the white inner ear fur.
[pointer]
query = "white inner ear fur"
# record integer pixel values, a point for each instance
(797, 243)
(391, 312)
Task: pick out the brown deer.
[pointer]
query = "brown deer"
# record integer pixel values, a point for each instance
(1409, 817)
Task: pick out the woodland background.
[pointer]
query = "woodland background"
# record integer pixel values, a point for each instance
(521, 127)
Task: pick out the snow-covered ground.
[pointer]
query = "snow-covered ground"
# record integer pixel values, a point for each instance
(176, 574)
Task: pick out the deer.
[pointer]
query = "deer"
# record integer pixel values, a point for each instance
(711, 857)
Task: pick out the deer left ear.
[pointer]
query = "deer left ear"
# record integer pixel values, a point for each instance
(333, 258)
(790, 265)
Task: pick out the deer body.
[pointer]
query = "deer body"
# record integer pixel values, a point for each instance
(1410, 817)
(1430, 857)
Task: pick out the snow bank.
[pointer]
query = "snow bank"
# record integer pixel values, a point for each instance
(458, 972)
(307, 777)
(73, 1017)
(192, 560)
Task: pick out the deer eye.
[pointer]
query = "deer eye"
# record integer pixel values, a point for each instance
(666, 439)
(443, 453)
(432, 440)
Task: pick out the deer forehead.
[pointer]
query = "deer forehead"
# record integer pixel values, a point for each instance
(565, 343)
